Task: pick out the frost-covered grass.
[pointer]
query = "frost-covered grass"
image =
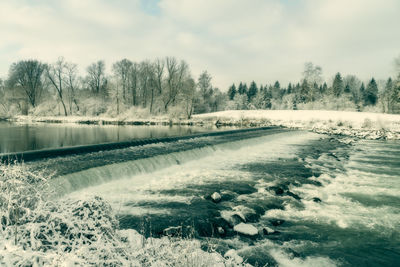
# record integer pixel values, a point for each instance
(39, 230)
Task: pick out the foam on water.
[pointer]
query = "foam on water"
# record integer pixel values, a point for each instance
(196, 167)
(357, 204)
(338, 207)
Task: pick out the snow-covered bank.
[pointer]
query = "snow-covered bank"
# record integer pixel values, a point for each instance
(155, 120)
(36, 230)
(356, 124)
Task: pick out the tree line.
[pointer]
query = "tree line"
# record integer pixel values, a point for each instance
(344, 93)
(166, 86)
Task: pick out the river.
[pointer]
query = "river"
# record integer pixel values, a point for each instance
(329, 201)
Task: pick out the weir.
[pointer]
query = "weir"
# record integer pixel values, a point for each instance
(74, 173)
(34, 155)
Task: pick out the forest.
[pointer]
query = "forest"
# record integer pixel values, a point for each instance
(167, 86)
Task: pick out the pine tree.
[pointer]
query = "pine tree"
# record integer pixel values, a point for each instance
(232, 92)
(276, 90)
(252, 91)
(304, 91)
(371, 93)
(289, 89)
(245, 89)
(347, 89)
(242, 89)
(338, 85)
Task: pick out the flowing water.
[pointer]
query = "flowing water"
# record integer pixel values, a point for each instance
(329, 201)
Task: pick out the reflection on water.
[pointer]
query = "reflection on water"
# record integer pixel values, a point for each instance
(24, 137)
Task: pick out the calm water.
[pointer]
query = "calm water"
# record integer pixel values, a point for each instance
(331, 203)
(24, 137)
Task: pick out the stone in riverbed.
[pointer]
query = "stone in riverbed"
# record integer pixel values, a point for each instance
(216, 197)
(173, 231)
(220, 230)
(277, 190)
(246, 229)
(316, 200)
(293, 195)
(269, 231)
(277, 222)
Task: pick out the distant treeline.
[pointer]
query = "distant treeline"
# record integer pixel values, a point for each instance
(166, 86)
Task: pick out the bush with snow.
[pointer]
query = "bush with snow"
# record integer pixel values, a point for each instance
(37, 229)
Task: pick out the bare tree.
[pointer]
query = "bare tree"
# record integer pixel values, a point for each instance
(72, 84)
(2, 98)
(96, 78)
(122, 70)
(204, 84)
(55, 73)
(27, 74)
(171, 91)
(313, 75)
(189, 97)
(133, 82)
(159, 73)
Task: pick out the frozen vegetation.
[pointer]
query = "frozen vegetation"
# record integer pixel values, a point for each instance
(40, 230)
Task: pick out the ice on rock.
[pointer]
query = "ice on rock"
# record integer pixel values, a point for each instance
(233, 255)
(216, 197)
(246, 229)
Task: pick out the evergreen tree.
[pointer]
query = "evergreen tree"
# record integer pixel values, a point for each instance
(371, 93)
(232, 92)
(266, 97)
(242, 89)
(324, 88)
(245, 89)
(337, 86)
(276, 90)
(289, 89)
(347, 89)
(304, 92)
(252, 91)
(386, 95)
(360, 97)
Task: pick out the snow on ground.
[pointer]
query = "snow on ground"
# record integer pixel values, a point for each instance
(41, 231)
(359, 124)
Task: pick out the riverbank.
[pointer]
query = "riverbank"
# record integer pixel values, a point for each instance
(354, 124)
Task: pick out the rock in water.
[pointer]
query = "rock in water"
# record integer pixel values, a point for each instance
(268, 231)
(277, 222)
(246, 229)
(316, 200)
(293, 195)
(173, 231)
(216, 197)
(277, 190)
(221, 230)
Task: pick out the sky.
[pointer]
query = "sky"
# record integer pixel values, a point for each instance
(234, 40)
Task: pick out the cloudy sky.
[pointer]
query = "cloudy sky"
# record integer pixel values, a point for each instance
(234, 40)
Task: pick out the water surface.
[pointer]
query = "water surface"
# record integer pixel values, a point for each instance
(25, 137)
(330, 203)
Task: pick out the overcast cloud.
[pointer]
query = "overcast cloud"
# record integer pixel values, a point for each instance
(261, 40)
